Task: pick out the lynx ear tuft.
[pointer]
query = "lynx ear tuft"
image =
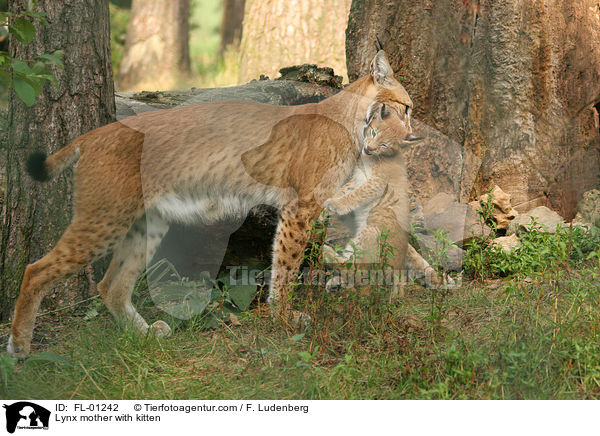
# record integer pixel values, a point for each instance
(381, 71)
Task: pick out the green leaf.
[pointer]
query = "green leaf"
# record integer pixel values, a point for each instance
(242, 295)
(49, 357)
(91, 313)
(299, 337)
(38, 68)
(24, 91)
(305, 355)
(21, 67)
(23, 30)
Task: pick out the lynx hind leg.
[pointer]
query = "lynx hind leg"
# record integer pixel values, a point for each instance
(293, 233)
(129, 261)
(83, 241)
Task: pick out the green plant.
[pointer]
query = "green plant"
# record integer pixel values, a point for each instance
(539, 251)
(27, 76)
(487, 211)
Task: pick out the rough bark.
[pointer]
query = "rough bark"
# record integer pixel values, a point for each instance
(231, 24)
(513, 83)
(156, 50)
(278, 33)
(34, 215)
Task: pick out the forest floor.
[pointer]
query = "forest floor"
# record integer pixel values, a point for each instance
(533, 337)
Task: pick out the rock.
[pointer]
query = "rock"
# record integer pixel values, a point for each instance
(588, 210)
(428, 246)
(475, 205)
(417, 217)
(507, 243)
(459, 220)
(504, 213)
(436, 164)
(544, 217)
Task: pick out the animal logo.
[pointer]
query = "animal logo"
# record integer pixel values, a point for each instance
(26, 415)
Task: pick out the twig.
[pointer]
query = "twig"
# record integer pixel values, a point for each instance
(93, 381)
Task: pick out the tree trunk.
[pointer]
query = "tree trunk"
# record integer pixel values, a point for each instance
(513, 82)
(156, 50)
(231, 24)
(280, 33)
(34, 215)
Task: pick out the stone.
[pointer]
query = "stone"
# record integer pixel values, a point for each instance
(504, 213)
(588, 209)
(417, 217)
(507, 243)
(460, 221)
(544, 217)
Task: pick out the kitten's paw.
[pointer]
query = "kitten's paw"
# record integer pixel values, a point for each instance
(333, 206)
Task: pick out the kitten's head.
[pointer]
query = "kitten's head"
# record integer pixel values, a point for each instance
(387, 130)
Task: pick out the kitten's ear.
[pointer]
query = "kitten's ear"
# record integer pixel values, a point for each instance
(381, 70)
(372, 111)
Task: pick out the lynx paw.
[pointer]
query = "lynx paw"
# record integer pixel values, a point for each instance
(19, 352)
(333, 206)
(160, 329)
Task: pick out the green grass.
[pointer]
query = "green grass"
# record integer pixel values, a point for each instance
(502, 339)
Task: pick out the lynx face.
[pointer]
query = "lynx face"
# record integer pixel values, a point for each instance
(387, 130)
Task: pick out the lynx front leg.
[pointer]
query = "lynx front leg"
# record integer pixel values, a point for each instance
(293, 233)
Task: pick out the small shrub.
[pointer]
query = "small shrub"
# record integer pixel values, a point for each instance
(539, 251)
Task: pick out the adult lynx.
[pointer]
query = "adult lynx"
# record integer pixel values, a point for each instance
(189, 164)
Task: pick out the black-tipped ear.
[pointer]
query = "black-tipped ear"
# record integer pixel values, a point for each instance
(381, 71)
(36, 166)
